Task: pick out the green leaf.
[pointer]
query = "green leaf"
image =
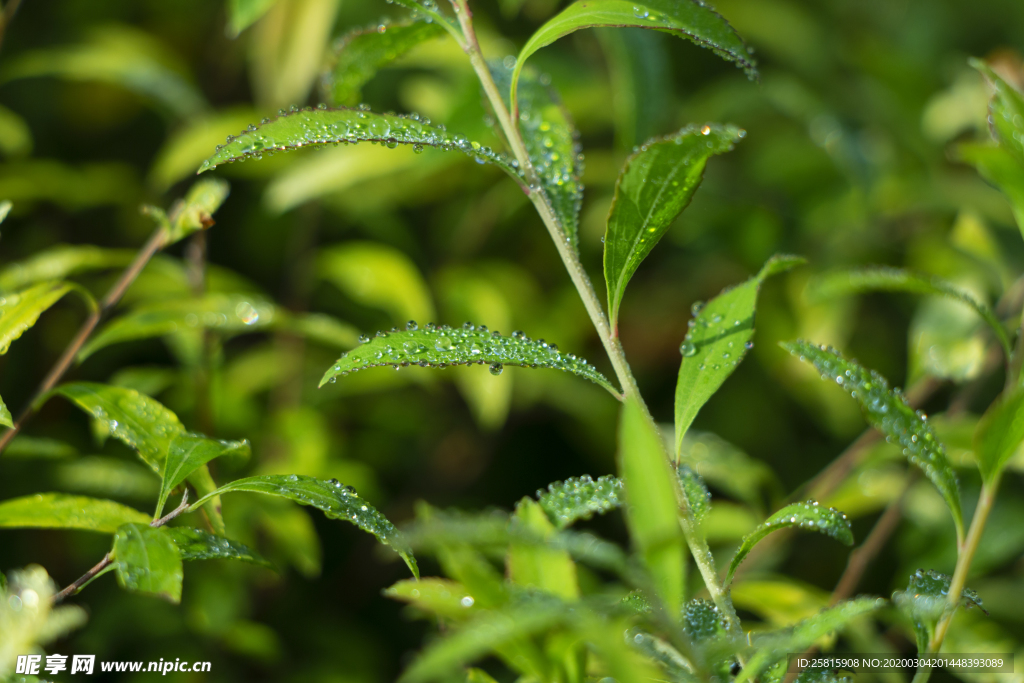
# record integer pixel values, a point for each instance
(109, 477)
(436, 596)
(331, 497)
(188, 452)
(1006, 112)
(898, 280)
(569, 501)
(702, 621)
(698, 498)
(532, 564)
(694, 21)
(809, 516)
(39, 447)
(361, 53)
(244, 13)
(999, 435)
(551, 143)
(652, 510)
(887, 411)
(428, 11)
(5, 415)
(147, 561)
(656, 183)
(63, 511)
(719, 337)
(1000, 168)
(925, 601)
(5, 208)
(195, 211)
(60, 262)
(322, 126)
(443, 346)
(675, 666)
(774, 647)
(638, 68)
(120, 56)
(21, 310)
(196, 544)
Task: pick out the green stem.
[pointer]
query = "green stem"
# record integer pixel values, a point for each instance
(591, 301)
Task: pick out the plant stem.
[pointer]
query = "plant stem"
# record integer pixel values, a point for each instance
(152, 246)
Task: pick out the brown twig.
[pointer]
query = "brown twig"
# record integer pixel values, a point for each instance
(107, 560)
(156, 242)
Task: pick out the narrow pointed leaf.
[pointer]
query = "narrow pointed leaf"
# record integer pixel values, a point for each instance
(330, 497)
(1006, 112)
(999, 435)
(535, 564)
(61, 262)
(196, 544)
(720, 335)
(925, 601)
(244, 13)
(5, 208)
(676, 667)
(5, 415)
(656, 183)
(319, 127)
(698, 498)
(21, 310)
(188, 452)
(195, 211)
(360, 54)
(466, 345)
(652, 511)
(63, 511)
(688, 19)
(147, 561)
(428, 11)
(898, 280)
(887, 411)
(551, 142)
(809, 516)
(569, 501)
(437, 596)
(774, 647)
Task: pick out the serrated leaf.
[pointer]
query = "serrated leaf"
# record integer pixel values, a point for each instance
(5, 415)
(188, 452)
(718, 339)
(20, 311)
(925, 601)
(244, 13)
(437, 596)
(196, 544)
(809, 516)
(61, 262)
(694, 21)
(63, 511)
(656, 183)
(1006, 112)
(194, 212)
(899, 280)
(698, 498)
(319, 127)
(487, 632)
(146, 560)
(330, 497)
(887, 411)
(652, 511)
(358, 56)
(999, 435)
(466, 345)
(551, 143)
(773, 647)
(576, 498)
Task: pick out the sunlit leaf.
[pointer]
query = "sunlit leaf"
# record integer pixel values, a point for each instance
(187, 453)
(196, 544)
(63, 511)
(319, 127)
(189, 144)
(39, 447)
(5, 208)
(694, 21)
(15, 136)
(809, 516)
(436, 596)
(361, 53)
(443, 346)
(1006, 112)
(569, 501)
(698, 498)
(60, 262)
(120, 56)
(110, 477)
(147, 561)
(774, 647)
(334, 499)
(652, 510)
(244, 13)
(532, 564)
(898, 280)
(72, 187)
(551, 143)
(656, 183)
(887, 410)
(5, 415)
(999, 435)
(719, 337)
(20, 311)
(925, 601)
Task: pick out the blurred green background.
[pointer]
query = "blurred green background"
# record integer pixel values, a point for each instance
(849, 159)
